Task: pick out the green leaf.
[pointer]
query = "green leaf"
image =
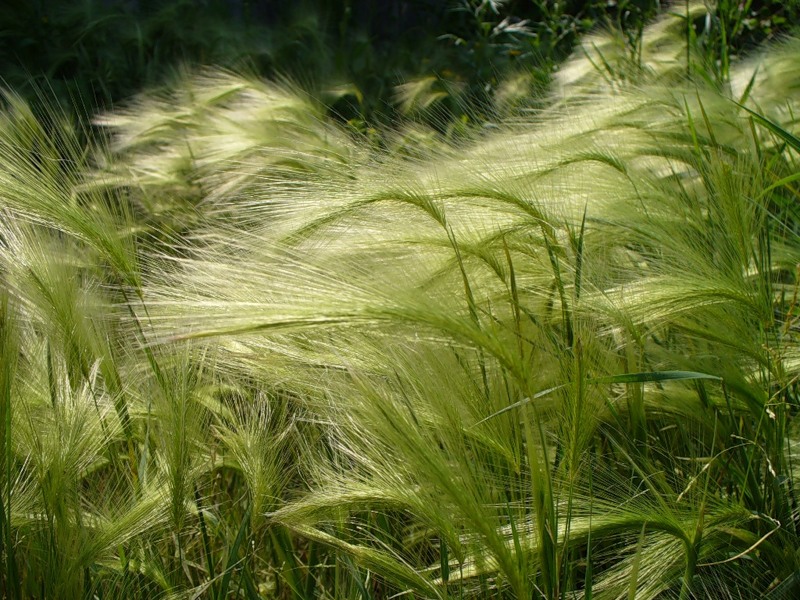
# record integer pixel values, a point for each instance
(786, 136)
(233, 556)
(654, 376)
(444, 561)
(637, 560)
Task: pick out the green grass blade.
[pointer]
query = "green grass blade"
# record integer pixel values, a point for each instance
(233, 556)
(8, 358)
(655, 376)
(637, 560)
(204, 532)
(792, 140)
(444, 561)
(781, 182)
(356, 576)
(787, 589)
(579, 254)
(521, 403)
(749, 87)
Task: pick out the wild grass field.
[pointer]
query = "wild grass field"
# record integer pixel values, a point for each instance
(246, 352)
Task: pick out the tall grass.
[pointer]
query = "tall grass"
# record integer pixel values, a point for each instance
(558, 361)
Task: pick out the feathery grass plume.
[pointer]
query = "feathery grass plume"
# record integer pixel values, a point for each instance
(63, 476)
(560, 360)
(254, 436)
(70, 472)
(687, 40)
(57, 285)
(211, 135)
(72, 466)
(43, 166)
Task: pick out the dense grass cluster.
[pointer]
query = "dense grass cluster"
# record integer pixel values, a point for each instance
(244, 353)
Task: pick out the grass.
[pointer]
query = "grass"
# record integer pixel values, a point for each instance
(246, 353)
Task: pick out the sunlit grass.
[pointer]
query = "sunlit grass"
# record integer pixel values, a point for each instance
(247, 353)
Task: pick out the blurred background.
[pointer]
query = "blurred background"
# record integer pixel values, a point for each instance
(369, 61)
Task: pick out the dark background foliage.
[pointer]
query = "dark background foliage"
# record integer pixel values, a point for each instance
(95, 53)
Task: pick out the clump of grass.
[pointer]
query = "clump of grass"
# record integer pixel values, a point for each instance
(558, 360)
(211, 135)
(500, 336)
